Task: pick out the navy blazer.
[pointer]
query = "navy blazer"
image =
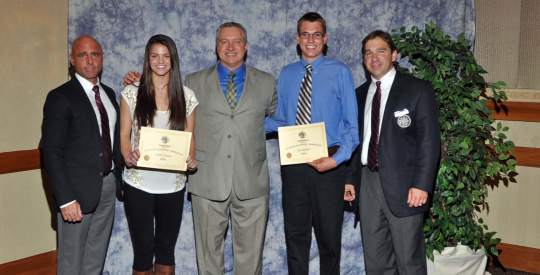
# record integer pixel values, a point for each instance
(71, 146)
(408, 156)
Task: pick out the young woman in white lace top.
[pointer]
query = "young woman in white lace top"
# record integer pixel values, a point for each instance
(154, 198)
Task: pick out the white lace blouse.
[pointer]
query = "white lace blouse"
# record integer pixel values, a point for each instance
(153, 181)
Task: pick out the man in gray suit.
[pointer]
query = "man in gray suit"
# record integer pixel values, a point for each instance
(232, 178)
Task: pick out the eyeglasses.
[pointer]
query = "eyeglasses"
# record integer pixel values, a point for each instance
(314, 36)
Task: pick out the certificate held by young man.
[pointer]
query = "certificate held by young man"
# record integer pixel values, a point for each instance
(163, 149)
(302, 143)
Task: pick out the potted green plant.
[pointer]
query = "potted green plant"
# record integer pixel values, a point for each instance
(475, 152)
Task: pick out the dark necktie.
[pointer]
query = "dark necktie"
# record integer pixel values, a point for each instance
(303, 110)
(373, 151)
(105, 132)
(231, 91)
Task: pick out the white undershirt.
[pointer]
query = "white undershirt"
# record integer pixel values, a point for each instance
(109, 107)
(386, 84)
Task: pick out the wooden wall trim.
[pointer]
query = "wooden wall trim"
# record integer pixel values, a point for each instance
(527, 156)
(519, 257)
(25, 160)
(44, 263)
(17, 161)
(517, 111)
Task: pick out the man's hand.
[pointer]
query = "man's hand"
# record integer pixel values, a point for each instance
(350, 194)
(132, 158)
(72, 212)
(323, 164)
(131, 77)
(417, 197)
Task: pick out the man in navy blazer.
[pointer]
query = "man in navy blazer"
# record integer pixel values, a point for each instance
(397, 163)
(81, 158)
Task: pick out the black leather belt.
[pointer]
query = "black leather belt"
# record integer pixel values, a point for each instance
(106, 173)
(271, 135)
(375, 169)
(332, 150)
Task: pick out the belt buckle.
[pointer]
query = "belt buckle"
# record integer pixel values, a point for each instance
(106, 173)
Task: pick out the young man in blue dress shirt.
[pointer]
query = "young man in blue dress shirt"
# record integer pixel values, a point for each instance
(313, 193)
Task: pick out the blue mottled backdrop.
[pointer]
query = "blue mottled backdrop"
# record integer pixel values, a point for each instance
(124, 26)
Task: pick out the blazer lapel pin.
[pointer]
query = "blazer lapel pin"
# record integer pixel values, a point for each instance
(403, 118)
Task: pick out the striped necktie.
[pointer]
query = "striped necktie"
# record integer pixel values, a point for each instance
(373, 150)
(303, 110)
(105, 131)
(231, 91)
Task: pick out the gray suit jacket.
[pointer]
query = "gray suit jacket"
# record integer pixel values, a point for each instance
(231, 146)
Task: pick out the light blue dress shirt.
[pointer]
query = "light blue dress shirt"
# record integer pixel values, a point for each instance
(333, 101)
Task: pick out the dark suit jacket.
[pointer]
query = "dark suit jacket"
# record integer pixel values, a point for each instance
(71, 146)
(408, 157)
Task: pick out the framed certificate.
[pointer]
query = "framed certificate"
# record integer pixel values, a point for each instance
(163, 149)
(302, 143)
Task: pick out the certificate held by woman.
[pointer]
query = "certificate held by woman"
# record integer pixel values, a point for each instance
(164, 149)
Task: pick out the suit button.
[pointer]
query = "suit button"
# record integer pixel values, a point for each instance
(228, 156)
(101, 174)
(229, 136)
(100, 155)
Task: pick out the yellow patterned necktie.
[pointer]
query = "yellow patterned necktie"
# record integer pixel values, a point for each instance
(231, 91)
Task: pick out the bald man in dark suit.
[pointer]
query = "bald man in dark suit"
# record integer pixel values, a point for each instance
(81, 158)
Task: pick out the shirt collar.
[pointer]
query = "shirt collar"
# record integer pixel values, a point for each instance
(85, 83)
(315, 63)
(239, 72)
(387, 79)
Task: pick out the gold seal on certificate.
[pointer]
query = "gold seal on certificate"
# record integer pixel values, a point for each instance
(163, 149)
(302, 143)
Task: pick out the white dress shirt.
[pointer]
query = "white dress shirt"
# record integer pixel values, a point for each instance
(386, 84)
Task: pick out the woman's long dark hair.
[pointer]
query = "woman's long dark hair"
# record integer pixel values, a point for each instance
(146, 101)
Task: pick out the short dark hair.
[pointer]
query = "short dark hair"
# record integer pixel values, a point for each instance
(311, 17)
(386, 37)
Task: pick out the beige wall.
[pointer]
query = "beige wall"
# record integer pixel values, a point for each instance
(34, 61)
(508, 47)
(514, 208)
